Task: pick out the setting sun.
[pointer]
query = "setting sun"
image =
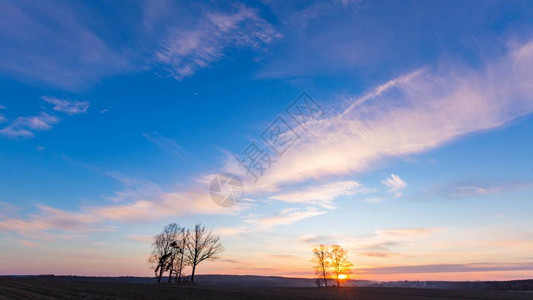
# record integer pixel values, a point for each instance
(343, 276)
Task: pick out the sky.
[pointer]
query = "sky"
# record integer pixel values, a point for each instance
(115, 117)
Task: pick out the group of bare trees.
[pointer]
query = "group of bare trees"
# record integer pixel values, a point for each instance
(331, 261)
(176, 247)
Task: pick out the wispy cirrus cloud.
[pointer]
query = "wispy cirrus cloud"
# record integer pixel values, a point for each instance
(67, 106)
(130, 210)
(231, 231)
(164, 143)
(164, 204)
(145, 239)
(49, 42)
(298, 16)
(51, 219)
(25, 127)
(414, 113)
(479, 187)
(406, 232)
(7, 209)
(451, 268)
(374, 200)
(395, 184)
(323, 194)
(184, 52)
(284, 217)
(177, 36)
(2, 117)
(141, 201)
(379, 239)
(380, 254)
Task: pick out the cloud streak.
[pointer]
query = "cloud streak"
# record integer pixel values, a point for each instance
(184, 52)
(66, 106)
(147, 203)
(25, 127)
(480, 187)
(395, 184)
(47, 42)
(284, 217)
(164, 143)
(451, 268)
(411, 114)
(322, 195)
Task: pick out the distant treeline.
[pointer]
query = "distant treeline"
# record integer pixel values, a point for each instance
(512, 285)
(275, 281)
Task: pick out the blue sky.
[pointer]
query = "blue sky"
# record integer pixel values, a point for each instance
(115, 117)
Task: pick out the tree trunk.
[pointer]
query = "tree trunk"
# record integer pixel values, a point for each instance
(170, 276)
(181, 266)
(338, 282)
(324, 275)
(192, 274)
(179, 273)
(160, 274)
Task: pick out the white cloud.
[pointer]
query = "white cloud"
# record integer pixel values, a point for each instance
(163, 205)
(469, 188)
(284, 217)
(145, 239)
(2, 117)
(231, 231)
(25, 126)
(43, 121)
(49, 218)
(382, 240)
(395, 184)
(475, 190)
(66, 106)
(408, 115)
(322, 195)
(374, 200)
(137, 206)
(186, 51)
(406, 232)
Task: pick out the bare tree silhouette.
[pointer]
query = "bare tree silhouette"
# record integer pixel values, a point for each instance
(163, 250)
(180, 247)
(159, 255)
(339, 262)
(202, 245)
(321, 257)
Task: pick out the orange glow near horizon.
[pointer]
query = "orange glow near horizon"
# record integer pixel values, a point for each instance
(343, 276)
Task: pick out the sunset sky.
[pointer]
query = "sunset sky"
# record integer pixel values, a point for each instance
(116, 115)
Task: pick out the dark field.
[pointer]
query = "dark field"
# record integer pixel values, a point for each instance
(49, 288)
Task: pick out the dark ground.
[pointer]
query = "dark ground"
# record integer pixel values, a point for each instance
(50, 288)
